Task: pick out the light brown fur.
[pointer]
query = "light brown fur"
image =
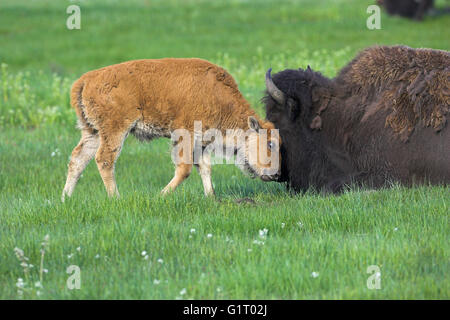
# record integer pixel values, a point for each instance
(152, 98)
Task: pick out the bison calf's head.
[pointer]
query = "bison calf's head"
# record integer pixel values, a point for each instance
(259, 155)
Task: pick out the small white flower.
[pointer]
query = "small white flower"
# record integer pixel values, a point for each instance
(395, 229)
(300, 224)
(314, 274)
(146, 257)
(263, 233)
(209, 235)
(38, 293)
(160, 260)
(38, 284)
(144, 253)
(45, 270)
(258, 242)
(283, 225)
(53, 154)
(79, 249)
(20, 283)
(156, 281)
(70, 255)
(192, 230)
(219, 289)
(183, 291)
(97, 256)
(30, 266)
(249, 250)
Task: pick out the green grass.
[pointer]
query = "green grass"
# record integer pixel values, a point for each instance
(403, 231)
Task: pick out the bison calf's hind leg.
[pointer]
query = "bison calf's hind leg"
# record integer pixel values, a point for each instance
(82, 154)
(107, 154)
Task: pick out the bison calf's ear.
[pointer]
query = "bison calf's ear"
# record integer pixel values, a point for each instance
(253, 124)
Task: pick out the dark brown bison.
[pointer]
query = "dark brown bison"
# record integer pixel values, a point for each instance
(413, 9)
(383, 119)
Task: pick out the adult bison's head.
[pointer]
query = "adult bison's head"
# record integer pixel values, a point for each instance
(288, 97)
(292, 103)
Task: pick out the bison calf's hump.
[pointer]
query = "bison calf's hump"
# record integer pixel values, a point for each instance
(145, 131)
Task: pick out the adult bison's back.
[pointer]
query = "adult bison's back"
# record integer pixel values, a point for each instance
(383, 119)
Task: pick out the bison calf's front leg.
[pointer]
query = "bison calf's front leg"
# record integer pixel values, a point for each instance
(204, 169)
(182, 171)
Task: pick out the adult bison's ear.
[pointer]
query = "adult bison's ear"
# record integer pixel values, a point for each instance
(293, 109)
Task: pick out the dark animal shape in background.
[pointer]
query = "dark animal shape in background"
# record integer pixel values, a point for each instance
(381, 120)
(413, 9)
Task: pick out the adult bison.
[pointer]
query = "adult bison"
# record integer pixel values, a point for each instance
(381, 120)
(413, 9)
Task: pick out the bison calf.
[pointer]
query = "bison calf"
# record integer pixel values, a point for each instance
(155, 98)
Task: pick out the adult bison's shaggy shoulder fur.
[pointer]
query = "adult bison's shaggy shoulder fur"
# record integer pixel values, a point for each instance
(382, 119)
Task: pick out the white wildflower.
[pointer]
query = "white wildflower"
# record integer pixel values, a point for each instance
(314, 274)
(183, 291)
(263, 233)
(20, 283)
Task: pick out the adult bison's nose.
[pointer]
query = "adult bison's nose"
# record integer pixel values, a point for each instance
(273, 177)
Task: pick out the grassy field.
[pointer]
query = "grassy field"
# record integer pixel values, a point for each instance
(184, 246)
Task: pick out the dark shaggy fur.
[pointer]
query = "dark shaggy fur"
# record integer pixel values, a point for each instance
(382, 119)
(413, 9)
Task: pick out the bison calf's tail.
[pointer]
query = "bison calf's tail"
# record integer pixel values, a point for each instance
(77, 103)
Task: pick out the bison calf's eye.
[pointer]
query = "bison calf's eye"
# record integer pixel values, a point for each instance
(270, 145)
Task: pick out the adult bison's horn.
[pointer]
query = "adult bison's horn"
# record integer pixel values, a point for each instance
(272, 89)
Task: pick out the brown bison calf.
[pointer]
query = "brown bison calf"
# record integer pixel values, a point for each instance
(154, 98)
